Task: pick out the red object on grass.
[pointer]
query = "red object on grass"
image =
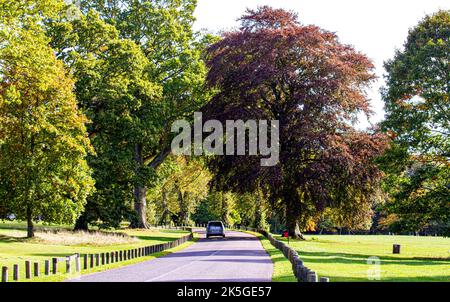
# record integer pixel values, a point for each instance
(286, 234)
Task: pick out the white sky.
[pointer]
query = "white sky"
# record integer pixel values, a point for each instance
(376, 28)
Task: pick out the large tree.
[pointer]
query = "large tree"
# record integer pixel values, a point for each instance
(418, 119)
(274, 68)
(43, 140)
(115, 90)
(163, 31)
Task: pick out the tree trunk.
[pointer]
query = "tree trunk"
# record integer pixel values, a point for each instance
(82, 223)
(184, 212)
(259, 223)
(224, 215)
(30, 226)
(165, 208)
(140, 206)
(293, 214)
(293, 226)
(140, 192)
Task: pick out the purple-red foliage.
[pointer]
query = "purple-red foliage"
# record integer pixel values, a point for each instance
(276, 68)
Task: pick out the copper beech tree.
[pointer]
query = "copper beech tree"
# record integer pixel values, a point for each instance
(275, 68)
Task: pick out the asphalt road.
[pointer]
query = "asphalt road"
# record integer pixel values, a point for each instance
(238, 257)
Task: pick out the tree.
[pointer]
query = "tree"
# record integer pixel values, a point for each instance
(43, 141)
(183, 183)
(163, 31)
(252, 210)
(274, 68)
(115, 90)
(418, 120)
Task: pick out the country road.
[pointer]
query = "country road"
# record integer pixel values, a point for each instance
(238, 257)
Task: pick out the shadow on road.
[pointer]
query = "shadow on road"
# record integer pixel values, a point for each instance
(231, 252)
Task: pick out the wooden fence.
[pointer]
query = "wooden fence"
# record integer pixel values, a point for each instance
(301, 272)
(81, 262)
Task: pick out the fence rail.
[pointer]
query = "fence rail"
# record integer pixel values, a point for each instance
(83, 262)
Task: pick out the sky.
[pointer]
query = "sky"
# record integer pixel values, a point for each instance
(376, 28)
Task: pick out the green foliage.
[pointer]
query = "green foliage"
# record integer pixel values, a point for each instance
(28, 12)
(114, 89)
(182, 185)
(418, 117)
(252, 209)
(43, 139)
(223, 206)
(163, 32)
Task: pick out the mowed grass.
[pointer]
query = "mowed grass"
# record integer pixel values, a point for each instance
(16, 249)
(346, 258)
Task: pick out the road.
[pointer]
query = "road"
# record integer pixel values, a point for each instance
(239, 257)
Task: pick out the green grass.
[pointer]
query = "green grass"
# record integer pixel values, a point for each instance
(344, 258)
(16, 249)
(282, 268)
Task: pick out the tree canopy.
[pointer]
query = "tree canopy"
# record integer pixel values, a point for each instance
(275, 68)
(163, 31)
(115, 90)
(418, 117)
(43, 139)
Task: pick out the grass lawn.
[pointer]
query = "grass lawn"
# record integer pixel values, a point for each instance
(282, 268)
(344, 258)
(15, 249)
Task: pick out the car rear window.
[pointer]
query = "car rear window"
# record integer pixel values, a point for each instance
(215, 224)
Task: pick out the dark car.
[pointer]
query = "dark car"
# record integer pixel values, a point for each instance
(215, 228)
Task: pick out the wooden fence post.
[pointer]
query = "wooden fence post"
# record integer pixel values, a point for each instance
(54, 265)
(107, 258)
(27, 269)
(97, 259)
(36, 269)
(68, 265)
(312, 277)
(85, 261)
(91, 258)
(77, 263)
(305, 274)
(103, 258)
(396, 249)
(324, 279)
(4, 274)
(47, 267)
(16, 272)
